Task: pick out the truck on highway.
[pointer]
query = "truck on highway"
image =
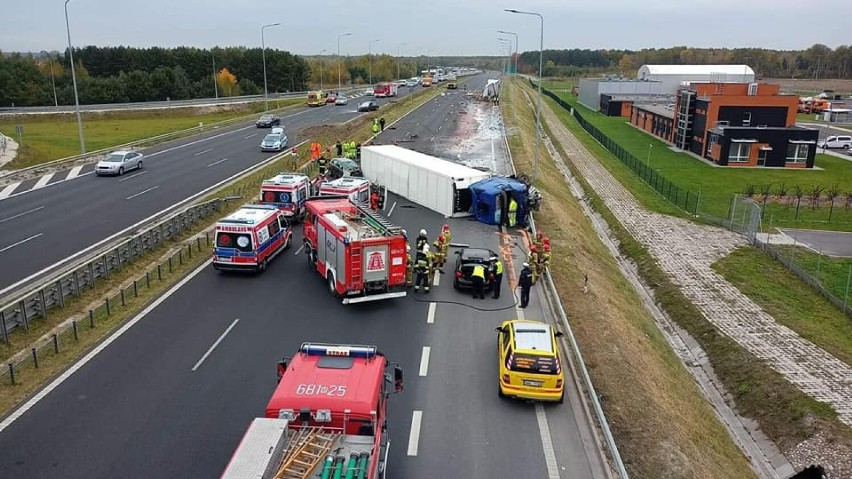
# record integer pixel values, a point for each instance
(316, 98)
(426, 80)
(385, 89)
(361, 255)
(288, 192)
(327, 417)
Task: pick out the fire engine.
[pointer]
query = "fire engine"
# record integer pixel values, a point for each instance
(360, 254)
(358, 189)
(288, 192)
(385, 89)
(327, 417)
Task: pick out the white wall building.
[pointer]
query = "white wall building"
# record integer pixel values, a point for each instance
(671, 76)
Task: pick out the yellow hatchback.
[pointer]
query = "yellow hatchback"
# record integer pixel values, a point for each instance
(530, 367)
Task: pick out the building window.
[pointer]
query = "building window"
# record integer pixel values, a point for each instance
(797, 153)
(739, 152)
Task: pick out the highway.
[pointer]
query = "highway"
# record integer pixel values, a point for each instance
(172, 396)
(42, 227)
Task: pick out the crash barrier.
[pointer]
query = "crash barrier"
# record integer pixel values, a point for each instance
(73, 283)
(110, 308)
(556, 302)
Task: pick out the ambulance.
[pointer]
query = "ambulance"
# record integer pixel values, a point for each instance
(249, 238)
(287, 192)
(357, 189)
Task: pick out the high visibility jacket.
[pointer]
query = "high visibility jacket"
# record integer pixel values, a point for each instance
(478, 272)
(498, 267)
(513, 206)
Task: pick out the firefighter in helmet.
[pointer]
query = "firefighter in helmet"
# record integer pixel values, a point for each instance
(421, 269)
(441, 248)
(422, 239)
(448, 235)
(409, 267)
(544, 259)
(533, 261)
(539, 240)
(322, 163)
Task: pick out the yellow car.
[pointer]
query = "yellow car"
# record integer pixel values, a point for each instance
(530, 367)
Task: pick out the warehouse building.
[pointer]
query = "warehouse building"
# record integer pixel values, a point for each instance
(671, 77)
(593, 90)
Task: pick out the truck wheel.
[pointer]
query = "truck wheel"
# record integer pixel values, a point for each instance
(309, 255)
(289, 241)
(332, 285)
(262, 266)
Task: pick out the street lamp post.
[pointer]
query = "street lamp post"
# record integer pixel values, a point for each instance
(322, 67)
(507, 61)
(370, 59)
(516, 46)
(263, 48)
(649, 154)
(215, 84)
(398, 59)
(338, 58)
(74, 79)
(53, 81)
(540, 79)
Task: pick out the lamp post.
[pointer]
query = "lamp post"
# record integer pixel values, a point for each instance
(322, 66)
(370, 59)
(505, 42)
(540, 70)
(263, 48)
(649, 154)
(215, 84)
(53, 81)
(74, 79)
(338, 58)
(399, 59)
(516, 46)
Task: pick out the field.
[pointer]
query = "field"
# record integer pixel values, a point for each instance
(809, 86)
(49, 137)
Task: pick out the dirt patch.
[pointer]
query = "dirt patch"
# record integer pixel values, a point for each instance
(843, 86)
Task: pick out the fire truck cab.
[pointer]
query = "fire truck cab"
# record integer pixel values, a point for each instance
(326, 418)
(249, 238)
(288, 192)
(360, 254)
(358, 189)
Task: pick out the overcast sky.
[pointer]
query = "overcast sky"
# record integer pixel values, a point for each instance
(435, 27)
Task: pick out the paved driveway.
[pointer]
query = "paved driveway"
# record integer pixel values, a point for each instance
(832, 243)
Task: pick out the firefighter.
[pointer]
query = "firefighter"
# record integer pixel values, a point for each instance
(430, 261)
(441, 247)
(376, 126)
(322, 163)
(382, 123)
(294, 158)
(374, 201)
(513, 212)
(421, 270)
(533, 262)
(544, 259)
(539, 240)
(357, 151)
(316, 151)
(496, 277)
(422, 239)
(478, 278)
(409, 267)
(448, 235)
(339, 147)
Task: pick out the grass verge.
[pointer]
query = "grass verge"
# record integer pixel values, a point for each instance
(784, 413)
(49, 137)
(662, 423)
(789, 300)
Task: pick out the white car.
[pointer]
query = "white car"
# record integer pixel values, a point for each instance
(119, 163)
(369, 92)
(341, 100)
(836, 141)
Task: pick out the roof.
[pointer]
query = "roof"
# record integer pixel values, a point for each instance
(697, 69)
(250, 214)
(473, 253)
(437, 165)
(346, 183)
(532, 336)
(286, 179)
(660, 110)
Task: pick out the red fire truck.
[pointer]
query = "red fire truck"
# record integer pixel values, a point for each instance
(327, 417)
(360, 254)
(385, 89)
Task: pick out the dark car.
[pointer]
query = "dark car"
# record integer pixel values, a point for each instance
(343, 167)
(267, 121)
(371, 105)
(466, 259)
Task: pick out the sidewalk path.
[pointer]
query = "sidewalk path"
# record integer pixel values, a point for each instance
(8, 150)
(685, 252)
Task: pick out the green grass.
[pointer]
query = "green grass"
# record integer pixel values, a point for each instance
(791, 301)
(53, 136)
(717, 185)
(831, 272)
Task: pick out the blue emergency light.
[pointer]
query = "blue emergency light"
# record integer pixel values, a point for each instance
(342, 350)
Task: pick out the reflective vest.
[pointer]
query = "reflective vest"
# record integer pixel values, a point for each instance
(513, 206)
(498, 267)
(478, 272)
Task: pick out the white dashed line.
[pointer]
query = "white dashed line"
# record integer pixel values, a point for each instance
(74, 172)
(8, 189)
(42, 182)
(437, 280)
(424, 360)
(547, 444)
(414, 436)
(20, 242)
(198, 364)
(142, 192)
(21, 214)
(430, 316)
(133, 176)
(299, 250)
(217, 162)
(249, 136)
(208, 150)
(391, 210)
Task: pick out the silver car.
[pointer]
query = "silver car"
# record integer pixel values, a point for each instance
(274, 142)
(341, 100)
(119, 162)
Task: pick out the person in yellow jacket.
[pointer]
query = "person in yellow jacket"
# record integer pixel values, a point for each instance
(496, 277)
(544, 259)
(376, 128)
(441, 248)
(409, 267)
(448, 235)
(533, 261)
(513, 212)
(539, 240)
(478, 278)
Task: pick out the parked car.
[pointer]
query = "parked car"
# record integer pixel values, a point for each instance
(274, 142)
(836, 141)
(529, 362)
(119, 162)
(267, 121)
(466, 259)
(343, 167)
(371, 105)
(341, 100)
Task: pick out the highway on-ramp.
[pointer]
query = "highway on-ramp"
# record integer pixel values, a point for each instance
(159, 402)
(44, 226)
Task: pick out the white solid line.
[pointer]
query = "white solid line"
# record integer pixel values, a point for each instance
(42, 182)
(299, 250)
(198, 364)
(94, 352)
(424, 360)
(430, 316)
(414, 437)
(547, 444)
(437, 280)
(217, 162)
(391, 210)
(247, 137)
(8, 189)
(133, 176)
(208, 150)
(21, 214)
(74, 172)
(142, 192)
(20, 242)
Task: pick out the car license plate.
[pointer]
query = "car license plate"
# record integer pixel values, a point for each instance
(530, 382)
(224, 260)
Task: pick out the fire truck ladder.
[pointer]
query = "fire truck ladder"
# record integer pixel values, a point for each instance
(378, 221)
(307, 448)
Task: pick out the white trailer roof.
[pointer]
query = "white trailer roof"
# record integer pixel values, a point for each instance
(420, 160)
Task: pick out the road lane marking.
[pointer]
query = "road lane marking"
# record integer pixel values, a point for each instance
(74, 172)
(414, 436)
(247, 137)
(8, 189)
(197, 142)
(391, 210)
(547, 444)
(437, 280)
(299, 250)
(133, 176)
(142, 192)
(208, 150)
(17, 413)
(20, 242)
(430, 316)
(424, 360)
(21, 214)
(198, 364)
(217, 162)
(42, 182)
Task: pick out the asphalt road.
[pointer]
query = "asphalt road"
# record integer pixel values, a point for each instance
(138, 409)
(832, 243)
(44, 226)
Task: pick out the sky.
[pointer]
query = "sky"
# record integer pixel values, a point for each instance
(426, 27)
